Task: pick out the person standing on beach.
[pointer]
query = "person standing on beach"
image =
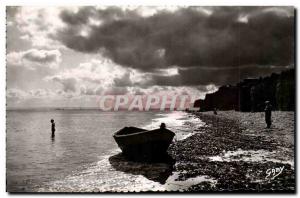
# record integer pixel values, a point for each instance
(268, 113)
(215, 111)
(52, 128)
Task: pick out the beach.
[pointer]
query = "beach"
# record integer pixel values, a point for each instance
(231, 151)
(237, 153)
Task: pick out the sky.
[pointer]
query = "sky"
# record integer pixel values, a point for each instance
(69, 56)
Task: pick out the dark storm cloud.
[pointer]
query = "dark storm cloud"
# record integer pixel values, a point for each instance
(199, 76)
(188, 38)
(85, 13)
(220, 77)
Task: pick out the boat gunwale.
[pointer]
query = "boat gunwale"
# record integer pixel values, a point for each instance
(132, 134)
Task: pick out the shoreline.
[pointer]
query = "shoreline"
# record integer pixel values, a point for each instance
(114, 173)
(236, 150)
(230, 152)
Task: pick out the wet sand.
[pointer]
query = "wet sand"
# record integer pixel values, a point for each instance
(238, 153)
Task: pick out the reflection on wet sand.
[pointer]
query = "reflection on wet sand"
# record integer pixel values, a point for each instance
(158, 171)
(52, 139)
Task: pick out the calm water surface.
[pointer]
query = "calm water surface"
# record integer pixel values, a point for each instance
(83, 139)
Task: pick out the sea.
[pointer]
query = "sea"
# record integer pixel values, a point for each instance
(77, 159)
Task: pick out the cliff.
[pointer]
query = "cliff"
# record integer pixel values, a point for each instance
(251, 94)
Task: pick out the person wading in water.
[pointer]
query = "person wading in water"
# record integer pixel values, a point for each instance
(52, 128)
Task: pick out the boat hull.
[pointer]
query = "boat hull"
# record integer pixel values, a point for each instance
(144, 145)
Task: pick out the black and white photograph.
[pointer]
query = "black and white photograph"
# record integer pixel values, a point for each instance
(156, 99)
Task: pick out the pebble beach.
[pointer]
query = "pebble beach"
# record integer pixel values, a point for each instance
(235, 152)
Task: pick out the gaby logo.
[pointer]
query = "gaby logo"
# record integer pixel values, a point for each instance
(146, 102)
(272, 173)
